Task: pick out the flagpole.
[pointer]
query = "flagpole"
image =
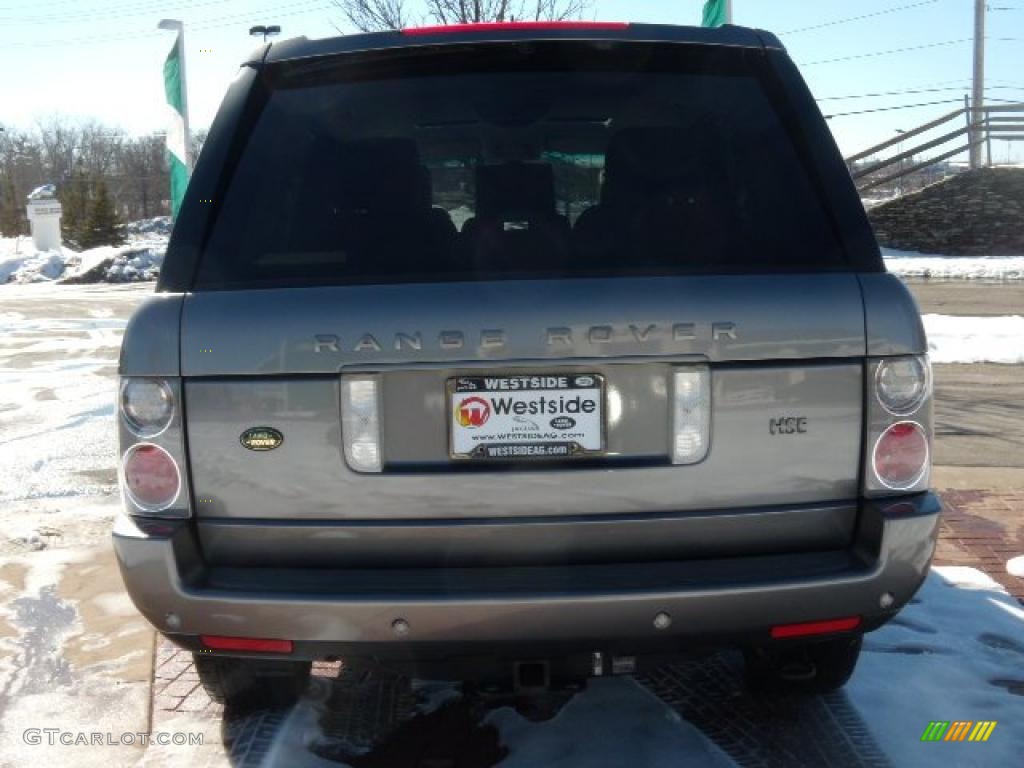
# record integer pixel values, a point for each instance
(179, 27)
(728, 11)
(189, 160)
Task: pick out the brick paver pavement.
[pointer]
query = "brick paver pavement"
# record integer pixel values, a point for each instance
(983, 529)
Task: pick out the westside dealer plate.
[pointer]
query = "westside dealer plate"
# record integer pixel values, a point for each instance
(531, 416)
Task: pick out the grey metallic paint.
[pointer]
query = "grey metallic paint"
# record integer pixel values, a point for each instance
(165, 573)
(306, 478)
(776, 317)
(527, 541)
(892, 320)
(151, 339)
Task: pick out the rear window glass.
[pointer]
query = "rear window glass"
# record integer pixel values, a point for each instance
(518, 161)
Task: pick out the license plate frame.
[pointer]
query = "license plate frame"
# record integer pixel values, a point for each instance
(527, 446)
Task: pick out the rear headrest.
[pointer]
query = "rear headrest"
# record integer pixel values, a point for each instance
(518, 189)
(648, 157)
(379, 175)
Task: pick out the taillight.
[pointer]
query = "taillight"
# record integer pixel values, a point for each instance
(151, 477)
(691, 414)
(152, 472)
(146, 405)
(360, 423)
(899, 421)
(902, 384)
(901, 455)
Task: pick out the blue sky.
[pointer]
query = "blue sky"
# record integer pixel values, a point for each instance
(102, 59)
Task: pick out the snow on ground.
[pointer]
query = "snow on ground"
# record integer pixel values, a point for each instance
(913, 264)
(963, 339)
(957, 653)
(139, 259)
(74, 653)
(57, 382)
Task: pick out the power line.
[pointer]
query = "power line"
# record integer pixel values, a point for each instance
(873, 54)
(889, 109)
(133, 9)
(862, 17)
(917, 91)
(311, 6)
(889, 93)
(912, 106)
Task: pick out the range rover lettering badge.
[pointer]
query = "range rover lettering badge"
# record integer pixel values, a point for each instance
(261, 438)
(492, 339)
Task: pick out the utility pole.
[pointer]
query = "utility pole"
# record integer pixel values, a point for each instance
(978, 89)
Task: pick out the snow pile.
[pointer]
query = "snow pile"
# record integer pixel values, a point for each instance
(21, 263)
(139, 259)
(913, 264)
(158, 226)
(962, 339)
(125, 264)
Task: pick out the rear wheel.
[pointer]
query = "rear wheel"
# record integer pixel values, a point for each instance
(252, 683)
(813, 667)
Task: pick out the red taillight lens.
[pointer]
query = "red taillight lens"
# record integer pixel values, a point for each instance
(900, 457)
(512, 26)
(809, 628)
(257, 644)
(151, 477)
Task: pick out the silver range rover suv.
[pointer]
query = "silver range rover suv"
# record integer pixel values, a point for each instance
(526, 350)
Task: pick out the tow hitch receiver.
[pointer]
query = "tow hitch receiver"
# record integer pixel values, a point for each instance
(530, 677)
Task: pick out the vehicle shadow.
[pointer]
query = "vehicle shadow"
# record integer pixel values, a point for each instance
(380, 720)
(761, 729)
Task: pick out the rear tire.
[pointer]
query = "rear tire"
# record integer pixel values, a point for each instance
(252, 683)
(813, 667)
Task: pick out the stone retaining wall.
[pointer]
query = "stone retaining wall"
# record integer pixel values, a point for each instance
(974, 213)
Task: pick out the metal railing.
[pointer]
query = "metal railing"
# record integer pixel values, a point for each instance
(1004, 122)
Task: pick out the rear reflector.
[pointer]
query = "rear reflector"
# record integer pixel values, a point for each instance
(151, 477)
(221, 643)
(517, 26)
(816, 627)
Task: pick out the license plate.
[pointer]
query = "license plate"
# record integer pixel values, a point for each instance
(530, 416)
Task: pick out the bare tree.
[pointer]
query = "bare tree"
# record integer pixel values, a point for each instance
(475, 11)
(375, 15)
(144, 168)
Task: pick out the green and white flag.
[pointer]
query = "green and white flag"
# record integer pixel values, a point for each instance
(716, 13)
(177, 156)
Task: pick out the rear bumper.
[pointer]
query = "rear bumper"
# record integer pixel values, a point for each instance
(609, 606)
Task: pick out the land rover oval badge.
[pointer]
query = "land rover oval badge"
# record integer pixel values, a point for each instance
(261, 438)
